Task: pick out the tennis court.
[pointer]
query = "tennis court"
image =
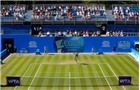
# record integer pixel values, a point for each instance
(60, 72)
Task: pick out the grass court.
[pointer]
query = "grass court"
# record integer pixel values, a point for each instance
(60, 72)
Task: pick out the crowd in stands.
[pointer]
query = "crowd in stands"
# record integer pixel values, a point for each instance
(127, 13)
(86, 33)
(115, 33)
(18, 12)
(69, 33)
(69, 12)
(59, 12)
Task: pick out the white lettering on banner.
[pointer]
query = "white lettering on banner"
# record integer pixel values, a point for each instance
(105, 44)
(32, 44)
(123, 44)
(125, 81)
(68, 43)
(13, 81)
(72, 43)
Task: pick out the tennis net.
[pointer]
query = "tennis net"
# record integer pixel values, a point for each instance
(95, 81)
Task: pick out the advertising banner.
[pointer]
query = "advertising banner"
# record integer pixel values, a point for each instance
(13, 81)
(71, 44)
(125, 80)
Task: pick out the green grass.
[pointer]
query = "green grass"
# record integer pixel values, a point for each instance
(59, 72)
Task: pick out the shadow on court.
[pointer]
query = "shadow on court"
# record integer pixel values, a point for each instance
(6, 86)
(83, 64)
(51, 54)
(74, 85)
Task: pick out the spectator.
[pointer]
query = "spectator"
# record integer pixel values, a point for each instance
(87, 33)
(107, 33)
(83, 16)
(64, 33)
(0, 14)
(70, 33)
(84, 34)
(75, 33)
(48, 33)
(59, 33)
(56, 33)
(104, 14)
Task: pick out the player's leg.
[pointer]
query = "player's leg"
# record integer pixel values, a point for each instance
(47, 51)
(44, 52)
(113, 51)
(75, 59)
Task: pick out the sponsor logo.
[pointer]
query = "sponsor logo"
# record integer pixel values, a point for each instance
(32, 44)
(105, 44)
(123, 44)
(125, 80)
(69, 44)
(13, 81)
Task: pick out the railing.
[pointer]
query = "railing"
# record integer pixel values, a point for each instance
(91, 21)
(3, 53)
(12, 20)
(74, 21)
(126, 21)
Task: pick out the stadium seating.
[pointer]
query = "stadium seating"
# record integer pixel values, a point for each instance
(127, 12)
(13, 12)
(74, 13)
(68, 11)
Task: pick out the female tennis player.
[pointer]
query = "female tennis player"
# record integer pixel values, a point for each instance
(75, 57)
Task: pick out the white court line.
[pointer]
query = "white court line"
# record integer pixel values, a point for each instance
(71, 72)
(133, 58)
(7, 57)
(114, 74)
(105, 77)
(102, 63)
(34, 76)
(69, 82)
(24, 74)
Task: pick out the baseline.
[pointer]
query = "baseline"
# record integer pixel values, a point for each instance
(133, 58)
(7, 57)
